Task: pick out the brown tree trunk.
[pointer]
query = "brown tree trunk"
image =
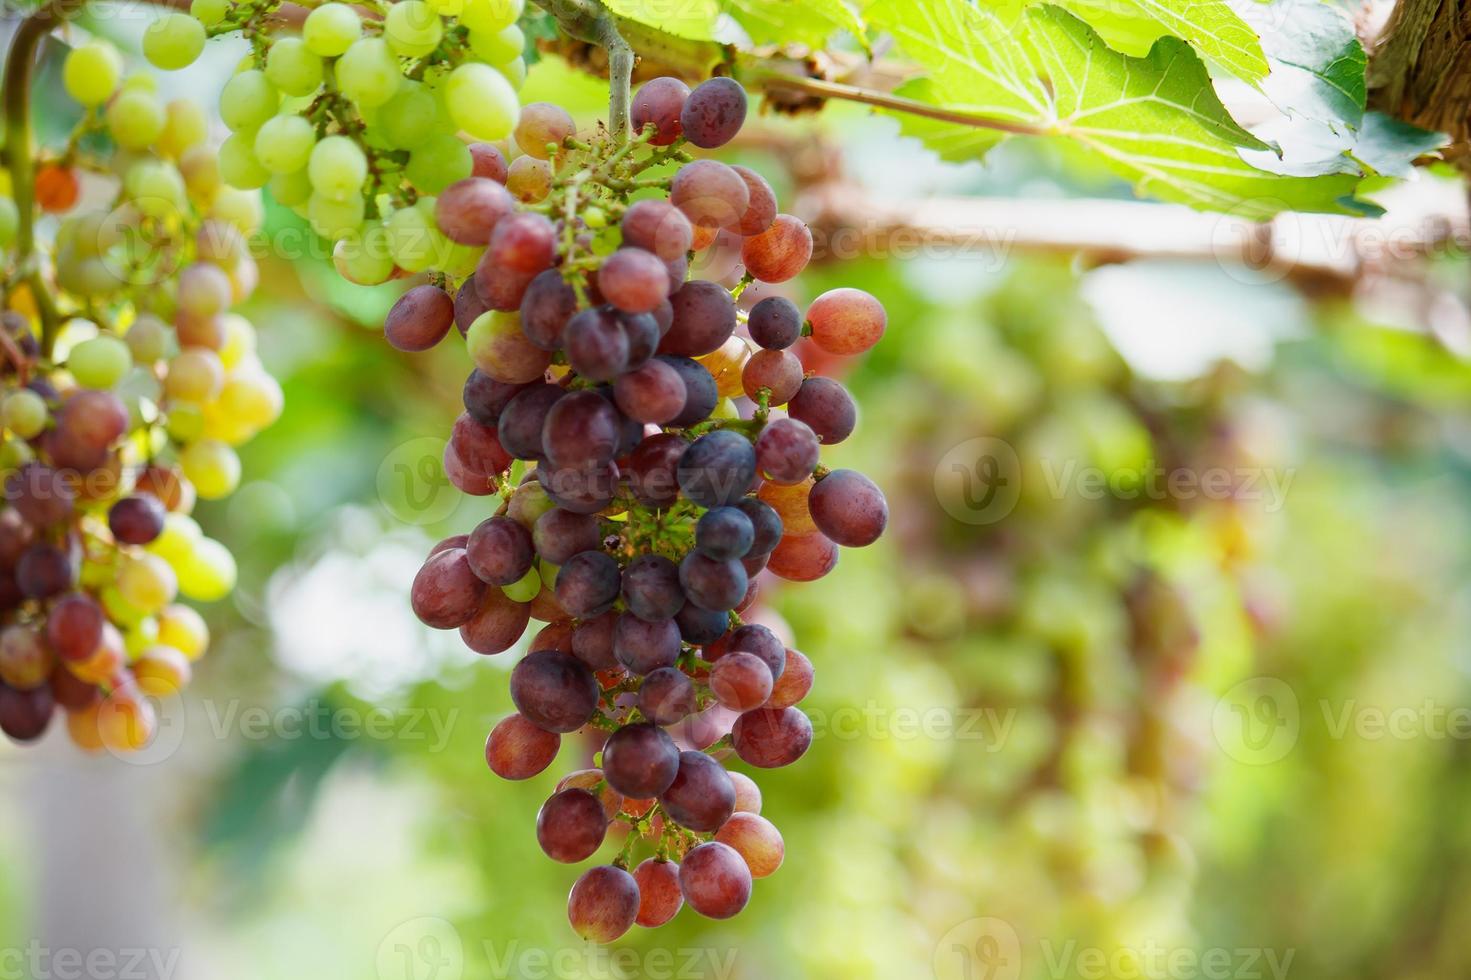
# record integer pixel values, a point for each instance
(1420, 69)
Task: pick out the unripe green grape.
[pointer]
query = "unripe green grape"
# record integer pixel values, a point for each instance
(175, 543)
(293, 68)
(238, 164)
(156, 188)
(9, 221)
(140, 83)
(15, 453)
(331, 29)
(490, 16)
(412, 28)
(364, 258)
(99, 362)
(185, 125)
(515, 72)
(456, 260)
(119, 610)
(209, 12)
(183, 629)
(481, 102)
(147, 582)
(252, 398)
(446, 8)
(148, 339)
(212, 467)
(134, 119)
(24, 413)
(334, 219)
(414, 239)
(292, 190)
(410, 117)
(498, 47)
(248, 100)
(337, 168)
(173, 41)
(239, 207)
(438, 162)
(208, 573)
(140, 637)
(184, 422)
(525, 588)
(239, 341)
(284, 144)
(90, 73)
(368, 73)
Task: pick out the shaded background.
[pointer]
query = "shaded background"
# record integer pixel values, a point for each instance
(1100, 723)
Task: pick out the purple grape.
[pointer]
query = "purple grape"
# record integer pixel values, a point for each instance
(468, 210)
(571, 826)
(652, 468)
(659, 227)
(704, 318)
(717, 468)
(603, 904)
(554, 691)
(715, 880)
(710, 194)
(724, 533)
(766, 523)
(787, 451)
(770, 738)
(775, 323)
(485, 398)
(446, 592)
(592, 641)
(699, 626)
(702, 797)
(849, 508)
(136, 519)
(651, 588)
(640, 761)
(714, 113)
(826, 408)
(711, 584)
(500, 551)
(546, 307)
(654, 393)
(633, 280)
(581, 429)
(660, 102)
(761, 642)
(521, 421)
(559, 534)
(420, 318)
(44, 570)
(666, 696)
(588, 584)
(700, 392)
(596, 345)
(642, 646)
(580, 489)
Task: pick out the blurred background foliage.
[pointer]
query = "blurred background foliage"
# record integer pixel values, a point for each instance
(1080, 659)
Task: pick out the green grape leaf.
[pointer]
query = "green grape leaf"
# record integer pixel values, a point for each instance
(809, 22)
(951, 141)
(1216, 31)
(1390, 147)
(1318, 64)
(696, 20)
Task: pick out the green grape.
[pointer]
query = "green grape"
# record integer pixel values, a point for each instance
(331, 29)
(410, 117)
(91, 72)
(253, 399)
(140, 83)
(248, 100)
(498, 47)
(238, 164)
(438, 162)
(490, 16)
(458, 261)
(414, 239)
(156, 188)
(184, 423)
(212, 467)
(337, 168)
(515, 72)
(293, 68)
(364, 258)
(209, 12)
(24, 413)
(147, 583)
(412, 28)
(135, 119)
(368, 73)
(238, 207)
(14, 454)
(173, 41)
(185, 125)
(481, 102)
(100, 362)
(148, 339)
(239, 341)
(175, 543)
(446, 8)
(293, 189)
(334, 219)
(284, 144)
(524, 589)
(209, 573)
(9, 221)
(143, 635)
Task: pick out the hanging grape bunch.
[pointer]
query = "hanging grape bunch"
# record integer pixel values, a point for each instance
(352, 123)
(647, 504)
(125, 383)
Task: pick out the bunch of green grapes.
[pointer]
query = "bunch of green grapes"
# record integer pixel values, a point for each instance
(354, 123)
(125, 384)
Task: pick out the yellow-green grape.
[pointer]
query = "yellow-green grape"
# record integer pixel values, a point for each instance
(334, 219)
(438, 162)
(212, 467)
(412, 28)
(239, 166)
(147, 582)
(208, 574)
(364, 258)
(142, 635)
(238, 207)
(368, 73)
(248, 100)
(525, 588)
(91, 72)
(140, 83)
(119, 609)
(414, 238)
(293, 67)
(200, 166)
(239, 341)
(410, 117)
(515, 72)
(156, 188)
(9, 221)
(173, 41)
(148, 339)
(293, 189)
(209, 12)
(24, 413)
(331, 29)
(498, 47)
(456, 260)
(182, 628)
(337, 168)
(481, 102)
(184, 422)
(176, 541)
(185, 125)
(284, 144)
(446, 8)
(548, 573)
(195, 375)
(253, 399)
(490, 16)
(99, 362)
(14, 453)
(134, 119)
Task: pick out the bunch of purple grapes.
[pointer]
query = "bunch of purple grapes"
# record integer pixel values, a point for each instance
(639, 506)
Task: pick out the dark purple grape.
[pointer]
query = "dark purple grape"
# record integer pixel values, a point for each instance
(653, 393)
(826, 408)
(559, 534)
(633, 280)
(580, 489)
(521, 421)
(468, 305)
(652, 467)
(497, 625)
(699, 626)
(704, 318)
(500, 287)
(546, 307)
(848, 508)
(485, 398)
(592, 641)
(581, 429)
(136, 519)
(787, 451)
(651, 588)
(775, 323)
(39, 493)
(770, 738)
(588, 584)
(596, 345)
(554, 691)
(717, 468)
(711, 584)
(723, 533)
(478, 447)
(500, 551)
(468, 210)
(642, 333)
(446, 592)
(761, 211)
(766, 523)
(715, 880)
(710, 194)
(753, 638)
(571, 826)
(44, 571)
(74, 627)
(663, 314)
(714, 112)
(702, 797)
(659, 102)
(666, 696)
(642, 646)
(603, 904)
(420, 318)
(25, 715)
(640, 761)
(517, 749)
(700, 392)
(659, 227)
